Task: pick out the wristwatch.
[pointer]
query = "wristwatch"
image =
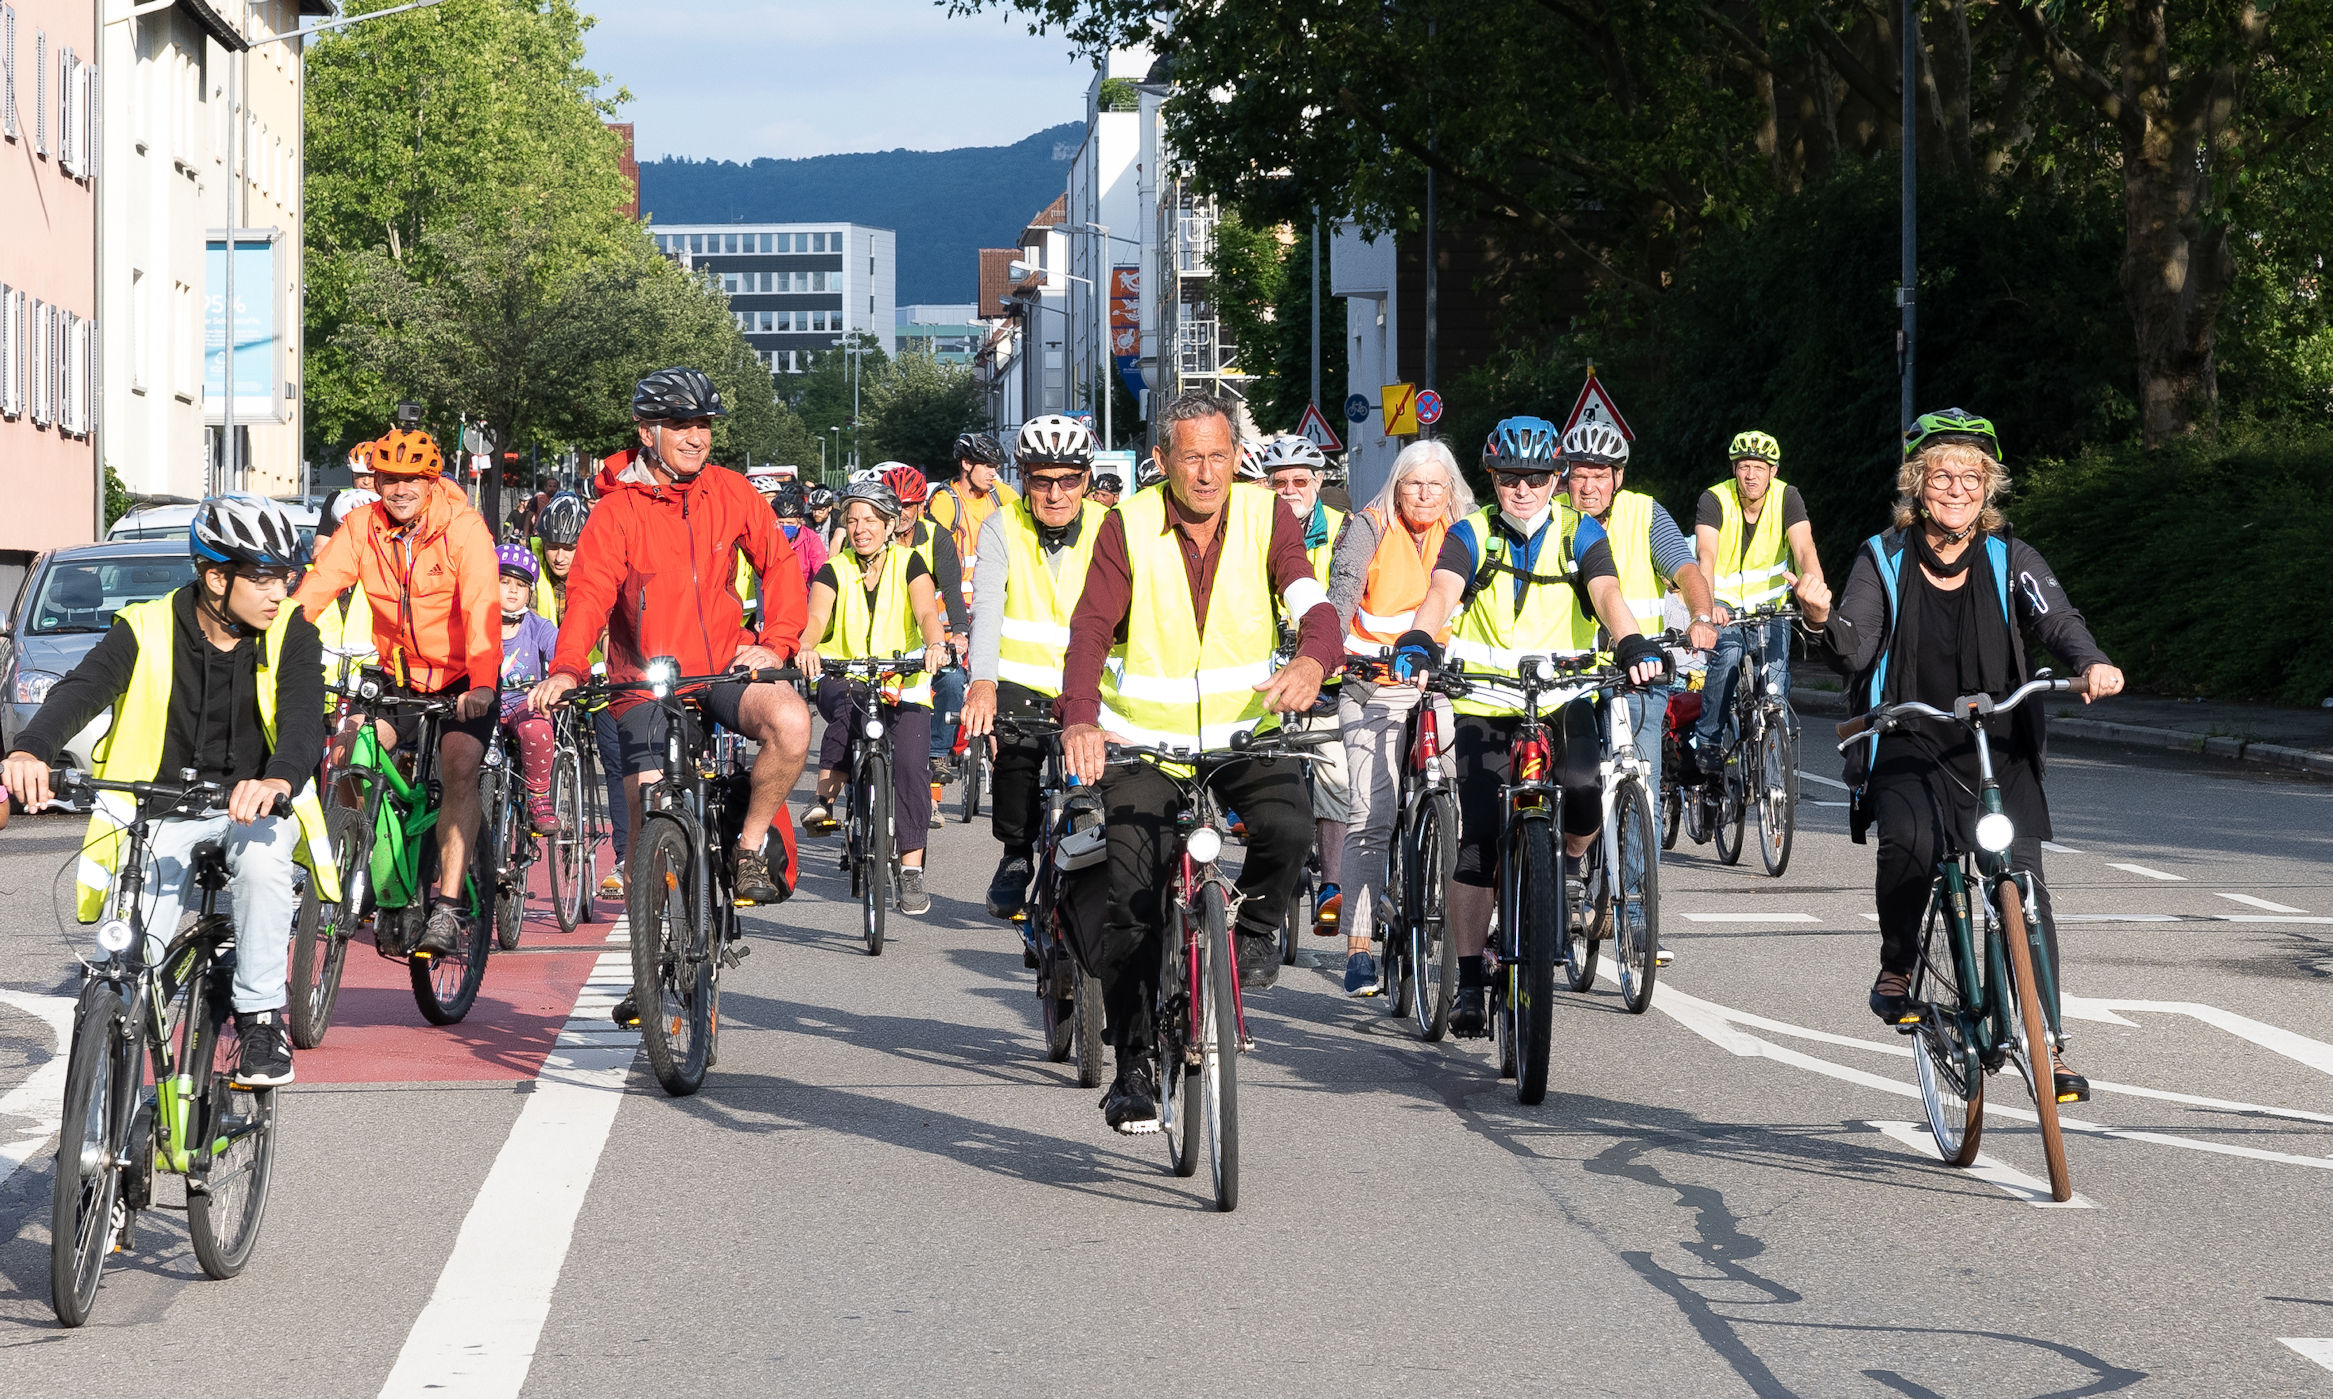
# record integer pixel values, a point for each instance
(1704, 619)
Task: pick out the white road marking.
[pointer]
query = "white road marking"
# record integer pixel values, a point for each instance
(1810, 801)
(40, 1099)
(2257, 902)
(1872, 916)
(476, 1337)
(2316, 1054)
(2060, 849)
(1752, 918)
(2120, 918)
(2267, 918)
(1831, 782)
(2129, 868)
(2031, 1189)
(2315, 1348)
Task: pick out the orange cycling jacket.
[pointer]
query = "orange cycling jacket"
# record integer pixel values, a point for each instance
(436, 599)
(657, 569)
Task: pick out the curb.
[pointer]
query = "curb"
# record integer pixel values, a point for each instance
(2235, 750)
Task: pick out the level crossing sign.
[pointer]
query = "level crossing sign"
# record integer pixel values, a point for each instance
(1595, 405)
(1314, 428)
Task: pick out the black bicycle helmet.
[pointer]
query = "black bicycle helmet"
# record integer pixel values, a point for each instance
(676, 393)
(1109, 483)
(787, 500)
(561, 522)
(979, 447)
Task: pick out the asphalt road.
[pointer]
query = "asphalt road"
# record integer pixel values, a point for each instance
(884, 1189)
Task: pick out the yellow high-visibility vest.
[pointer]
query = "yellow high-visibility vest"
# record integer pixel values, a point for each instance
(1629, 530)
(1756, 576)
(1033, 643)
(132, 752)
(1491, 634)
(1174, 683)
(856, 632)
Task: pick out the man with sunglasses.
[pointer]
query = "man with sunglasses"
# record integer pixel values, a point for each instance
(1524, 579)
(1033, 551)
(1755, 544)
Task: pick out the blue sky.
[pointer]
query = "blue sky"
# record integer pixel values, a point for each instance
(736, 79)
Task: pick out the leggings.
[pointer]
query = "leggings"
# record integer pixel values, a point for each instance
(1482, 770)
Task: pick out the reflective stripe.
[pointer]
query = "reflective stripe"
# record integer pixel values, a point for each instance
(1185, 676)
(1303, 595)
(1210, 735)
(1040, 593)
(1759, 558)
(1027, 676)
(1398, 622)
(1174, 689)
(1034, 632)
(1499, 657)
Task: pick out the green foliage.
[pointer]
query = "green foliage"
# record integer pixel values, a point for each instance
(119, 498)
(1263, 284)
(916, 407)
(821, 395)
(1119, 95)
(2131, 532)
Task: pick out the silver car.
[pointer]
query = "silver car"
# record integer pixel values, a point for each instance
(63, 611)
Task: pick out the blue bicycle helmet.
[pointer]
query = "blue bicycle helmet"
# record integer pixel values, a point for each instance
(1523, 444)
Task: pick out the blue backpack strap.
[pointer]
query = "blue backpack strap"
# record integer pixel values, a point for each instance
(1889, 568)
(1997, 554)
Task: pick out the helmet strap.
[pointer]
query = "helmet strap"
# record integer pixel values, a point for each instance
(219, 611)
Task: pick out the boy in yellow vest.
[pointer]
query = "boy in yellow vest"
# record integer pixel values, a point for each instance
(219, 678)
(1755, 544)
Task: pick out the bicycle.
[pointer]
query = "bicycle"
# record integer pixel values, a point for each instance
(1622, 868)
(188, 1118)
(1069, 995)
(1975, 1013)
(384, 843)
(870, 854)
(1418, 959)
(1761, 757)
(973, 755)
(579, 800)
(1198, 1025)
(679, 902)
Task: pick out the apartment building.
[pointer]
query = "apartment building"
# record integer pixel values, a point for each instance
(796, 288)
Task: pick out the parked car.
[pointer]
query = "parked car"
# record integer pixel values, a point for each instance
(64, 609)
(170, 521)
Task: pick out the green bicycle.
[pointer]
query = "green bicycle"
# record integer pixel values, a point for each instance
(187, 1117)
(383, 837)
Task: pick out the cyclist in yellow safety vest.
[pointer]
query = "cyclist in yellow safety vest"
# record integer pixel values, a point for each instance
(222, 679)
(346, 627)
(1033, 554)
(1755, 544)
(937, 547)
(875, 599)
(1171, 645)
(1514, 582)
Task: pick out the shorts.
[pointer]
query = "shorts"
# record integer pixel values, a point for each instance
(407, 723)
(641, 729)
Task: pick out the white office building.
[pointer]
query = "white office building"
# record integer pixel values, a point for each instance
(796, 288)
(1110, 230)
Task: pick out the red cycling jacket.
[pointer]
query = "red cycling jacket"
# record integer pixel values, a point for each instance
(657, 569)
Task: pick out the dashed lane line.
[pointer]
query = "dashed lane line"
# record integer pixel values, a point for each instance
(2015, 1183)
(2128, 868)
(1831, 782)
(2053, 846)
(1751, 918)
(2257, 902)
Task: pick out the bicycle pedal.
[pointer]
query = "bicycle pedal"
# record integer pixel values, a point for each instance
(1248, 1045)
(735, 953)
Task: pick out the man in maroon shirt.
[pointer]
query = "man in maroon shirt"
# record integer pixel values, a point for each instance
(1199, 452)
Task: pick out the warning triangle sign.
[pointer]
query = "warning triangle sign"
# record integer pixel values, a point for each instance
(1314, 428)
(1595, 405)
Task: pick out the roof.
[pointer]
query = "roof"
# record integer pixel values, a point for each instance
(215, 24)
(996, 280)
(1054, 215)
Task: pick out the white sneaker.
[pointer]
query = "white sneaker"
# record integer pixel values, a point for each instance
(1663, 956)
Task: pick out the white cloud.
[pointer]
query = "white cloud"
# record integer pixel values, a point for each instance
(738, 79)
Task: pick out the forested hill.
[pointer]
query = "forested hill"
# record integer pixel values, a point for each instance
(945, 205)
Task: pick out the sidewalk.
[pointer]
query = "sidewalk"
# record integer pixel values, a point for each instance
(2297, 739)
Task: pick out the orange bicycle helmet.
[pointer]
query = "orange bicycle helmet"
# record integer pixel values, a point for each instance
(360, 459)
(408, 452)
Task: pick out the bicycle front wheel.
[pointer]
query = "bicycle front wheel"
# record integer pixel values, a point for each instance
(1732, 806)
(1776, 795)
(2034, 1041)
(1212, 1089)
(570, 842)
(1672, 813)
(1088, 1001)
(100, 1079)
(1636, 901)
(502, 840)
(1952, 1082)
(1541, 908)
(320, 945)
(975, 777)
(672, 964)
(232, 1141)
(875, 851)
(1433, 954)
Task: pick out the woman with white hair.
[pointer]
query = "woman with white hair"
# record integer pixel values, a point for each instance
(1378, 576)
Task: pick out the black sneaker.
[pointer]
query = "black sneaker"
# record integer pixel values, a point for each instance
(266, 1060)
(444, 932)
(1259, 958)
(627, 1011)
(912, 898)
(1470, 1018)
(1008, 892)
(1891, 999)
(1131, 1105)
(754, 883)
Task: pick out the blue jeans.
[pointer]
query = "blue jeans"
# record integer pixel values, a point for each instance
(1725, 665)
(1648, 714)
(259, 861)
(948, 689)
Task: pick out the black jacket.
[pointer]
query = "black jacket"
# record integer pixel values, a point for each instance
(1861, 641)
(213, 725)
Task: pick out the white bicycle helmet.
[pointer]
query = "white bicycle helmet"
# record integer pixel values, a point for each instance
(245, 529)
(348, 502)
(1054, 440)
(1599, 444)
(764, 478)
(1148, 473)
(1251, 459)
(1287, 450)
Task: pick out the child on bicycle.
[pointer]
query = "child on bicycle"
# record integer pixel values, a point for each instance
(528, 641)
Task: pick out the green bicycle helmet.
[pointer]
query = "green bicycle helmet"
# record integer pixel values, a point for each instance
(1754, 444)
(1952, 425)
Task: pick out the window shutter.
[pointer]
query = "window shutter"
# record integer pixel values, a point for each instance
(36, 364)
(40, 92)
(8, 408)
(69, 112)
(89, 121)
(8, 72)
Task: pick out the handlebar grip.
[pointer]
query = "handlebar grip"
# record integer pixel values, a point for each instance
(773, 675)
(281, 806)
(1855, 727)
(2077, 684)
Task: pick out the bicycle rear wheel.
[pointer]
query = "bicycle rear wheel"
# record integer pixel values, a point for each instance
(1540, 910)
(570, 842)
(502, 838)
(672, 964)
(1583, 933)
(101, 1076)
(875, 855)
(1089, 1027)
(1301, 902)
(1672, 813)
(1214, 1088)
(320, 949)
(1732, 806)
(1952, 1082)
(1636, 901)
(2033, 1046)
(1433, 952)
(232, 1141)
(1777, 797)
(446, 986)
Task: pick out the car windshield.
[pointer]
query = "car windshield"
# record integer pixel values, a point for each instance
(82, 596)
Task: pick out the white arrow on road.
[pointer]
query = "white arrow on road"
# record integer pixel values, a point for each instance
(40, 1099)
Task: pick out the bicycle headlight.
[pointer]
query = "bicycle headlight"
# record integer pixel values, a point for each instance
(874, 727)
(1774, 687)
(369, 689)
(113, 935)
(1205, 844)
(1994, 832)
(660, 672)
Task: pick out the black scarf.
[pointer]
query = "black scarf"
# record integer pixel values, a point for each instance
(1985, 649)
(1937, 566)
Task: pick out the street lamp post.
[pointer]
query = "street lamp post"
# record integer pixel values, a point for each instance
(1907, 294)
(1018, 270)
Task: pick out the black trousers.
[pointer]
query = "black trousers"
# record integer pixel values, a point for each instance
(1916, 805)
(1481, 747)
(1020, 764)
(1119, 910)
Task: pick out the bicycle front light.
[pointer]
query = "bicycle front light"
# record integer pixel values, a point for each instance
(874, 727)
(660, 672)
(113, 935)
(1205, 844)
(1994, 832)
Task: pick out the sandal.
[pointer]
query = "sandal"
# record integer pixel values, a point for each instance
(1891, 999)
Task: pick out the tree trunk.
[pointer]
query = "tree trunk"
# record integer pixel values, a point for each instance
(2175, 275)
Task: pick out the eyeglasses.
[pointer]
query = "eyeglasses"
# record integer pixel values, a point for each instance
(1053, 485)
(1969, 483)
(277, 578)
(1425, 485)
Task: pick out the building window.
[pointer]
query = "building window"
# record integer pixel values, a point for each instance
(141, 329)
(185, 366)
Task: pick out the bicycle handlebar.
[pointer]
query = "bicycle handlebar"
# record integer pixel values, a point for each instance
(872, 667)
(1966, 709)
(186, 799)
(1278, 743)
(763, 675)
